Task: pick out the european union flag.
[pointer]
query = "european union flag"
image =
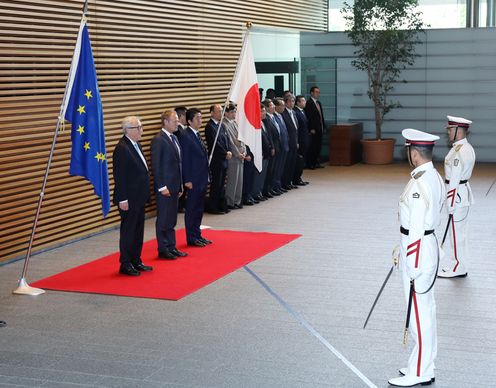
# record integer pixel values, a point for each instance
(84, 110)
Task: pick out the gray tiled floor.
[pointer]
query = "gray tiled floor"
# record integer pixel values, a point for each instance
(233, 333)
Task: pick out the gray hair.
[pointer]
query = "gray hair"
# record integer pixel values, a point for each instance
(129, 122)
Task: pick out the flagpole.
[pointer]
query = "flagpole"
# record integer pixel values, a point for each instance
(23, 287)
(248, 26)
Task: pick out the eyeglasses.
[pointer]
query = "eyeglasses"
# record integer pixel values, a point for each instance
(136, 127)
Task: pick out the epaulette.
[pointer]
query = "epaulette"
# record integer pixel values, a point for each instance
(458, 147)
(418, 175)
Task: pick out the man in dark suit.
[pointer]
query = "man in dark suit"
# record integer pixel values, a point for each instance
(131, 193)
(195, 177)
(269, 189)
(181, 126)
(300, 103)
(166, 167)
(315, 115)
(292, 126)
(267, 154)
(218, 166)
(283, 134)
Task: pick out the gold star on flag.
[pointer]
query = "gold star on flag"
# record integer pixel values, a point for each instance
(88, 94)
(86, 145)
(100, 157)
(81, 109)
(80, 129)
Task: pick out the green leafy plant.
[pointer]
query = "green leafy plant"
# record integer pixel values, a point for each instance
(385, 33)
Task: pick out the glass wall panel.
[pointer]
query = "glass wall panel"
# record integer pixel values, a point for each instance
(437, 13)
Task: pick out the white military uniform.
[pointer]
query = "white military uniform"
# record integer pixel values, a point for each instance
(458, 166)
(420, 213)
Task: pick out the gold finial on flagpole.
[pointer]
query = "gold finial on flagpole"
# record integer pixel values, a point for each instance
(249, 25)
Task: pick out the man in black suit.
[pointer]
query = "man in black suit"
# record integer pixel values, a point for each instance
(269, 189)
(166, 167)
(195, 177)
(218, 166)
(181, 126)
(301, 117)
(291, 122)
(283, 136)
(315, 115)
(267, 153)
(131, 193)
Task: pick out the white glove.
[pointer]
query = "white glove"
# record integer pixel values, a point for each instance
(396, 255)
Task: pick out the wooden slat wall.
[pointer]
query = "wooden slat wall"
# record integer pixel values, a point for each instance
(149, 55)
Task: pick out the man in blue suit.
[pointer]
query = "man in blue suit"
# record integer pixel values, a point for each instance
(166, 167)
(195, 177)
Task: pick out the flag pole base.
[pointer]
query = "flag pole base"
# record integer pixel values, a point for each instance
(25, 289)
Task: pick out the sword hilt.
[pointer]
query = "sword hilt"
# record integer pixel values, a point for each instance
(405, 336)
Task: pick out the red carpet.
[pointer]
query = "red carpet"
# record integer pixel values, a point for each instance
(170, 279)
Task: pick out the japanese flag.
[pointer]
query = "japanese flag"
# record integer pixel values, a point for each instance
(244, 93)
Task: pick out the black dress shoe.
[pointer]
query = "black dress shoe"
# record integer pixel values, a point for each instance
(205, 241)
(254, 200)
(274, 193)
(178, 253)
(319, 166)
(142, 267)
(248, 202)
(167, 255)
(282, 190)
(215, 211)
(231, 207)
(128, 269)
(238, 206)
(261, 198)
(196, 243)
(301, 183)
(268, 195)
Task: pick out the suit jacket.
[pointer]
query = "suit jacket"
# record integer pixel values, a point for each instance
(222, 146)
(194, 159)
(292, 129)
(302, 129)
(166, 163)
(315, 118)
(267, 145)
(274, 134)
(283, 135)
(132, 182)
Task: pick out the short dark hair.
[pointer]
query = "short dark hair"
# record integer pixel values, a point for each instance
(191, 113)
(230, 107)
(424, 150)
(298, 98)
(267, 102)
(180, 110)
(312, 89)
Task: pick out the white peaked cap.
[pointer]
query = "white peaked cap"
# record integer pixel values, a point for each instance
(416, 137)
(459, 121)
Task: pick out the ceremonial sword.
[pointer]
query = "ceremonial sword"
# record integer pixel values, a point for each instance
(408, 312)
(379, 294)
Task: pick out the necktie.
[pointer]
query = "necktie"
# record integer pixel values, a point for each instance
(176, 143)
(276, 124)
(138, 150)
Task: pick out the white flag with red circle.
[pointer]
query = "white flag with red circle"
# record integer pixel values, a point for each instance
(244, 92)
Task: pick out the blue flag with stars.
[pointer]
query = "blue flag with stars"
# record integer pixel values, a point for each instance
(84, 110)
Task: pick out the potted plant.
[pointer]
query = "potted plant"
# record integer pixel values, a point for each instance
(384, 33)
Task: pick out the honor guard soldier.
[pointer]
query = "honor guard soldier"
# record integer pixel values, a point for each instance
(458, 166)
(420, 213)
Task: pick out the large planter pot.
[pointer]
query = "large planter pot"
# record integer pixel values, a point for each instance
(378, 151)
